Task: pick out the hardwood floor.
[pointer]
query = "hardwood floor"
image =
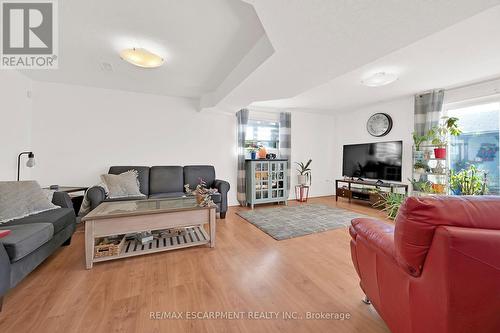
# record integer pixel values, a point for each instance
(248, 271)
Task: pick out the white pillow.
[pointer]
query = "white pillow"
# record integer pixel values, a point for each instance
(21, 199)
(123, 185)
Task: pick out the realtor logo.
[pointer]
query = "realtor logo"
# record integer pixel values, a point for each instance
(29, 34)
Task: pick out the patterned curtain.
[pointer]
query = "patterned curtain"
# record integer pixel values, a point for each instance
(428, 110)
(242, 117)
(286, 140)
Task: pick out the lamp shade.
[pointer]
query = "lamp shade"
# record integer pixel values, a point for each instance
(31, 160)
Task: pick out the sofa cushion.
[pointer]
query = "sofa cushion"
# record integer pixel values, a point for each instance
(142, 175)
(20, 199)
(166, 179)
(167, 195)
(26, 238)
(60, 218)
(193, 174)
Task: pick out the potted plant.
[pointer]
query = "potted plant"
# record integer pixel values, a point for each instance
(374, 194)
(417, 141)
(470, 181)
(304, 171)
(253, 148)
(390, 203)
(439, 135)
(424, 186)
(420, 167)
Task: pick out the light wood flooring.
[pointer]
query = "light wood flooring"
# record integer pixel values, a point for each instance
(248, 271)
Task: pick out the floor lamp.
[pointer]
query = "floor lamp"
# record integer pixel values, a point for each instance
(30, 163)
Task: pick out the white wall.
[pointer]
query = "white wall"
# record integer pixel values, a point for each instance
(350, 128)
(313, 137)
(15, 123)
(78, 132)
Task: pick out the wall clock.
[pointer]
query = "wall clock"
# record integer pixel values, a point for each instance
(379, 124)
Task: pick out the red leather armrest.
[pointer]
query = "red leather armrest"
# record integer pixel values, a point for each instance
(4, 233)
(379, 234)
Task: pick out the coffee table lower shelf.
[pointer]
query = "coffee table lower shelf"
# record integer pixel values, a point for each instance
(194, 236)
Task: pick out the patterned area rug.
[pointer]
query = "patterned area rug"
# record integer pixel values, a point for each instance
(294, 221)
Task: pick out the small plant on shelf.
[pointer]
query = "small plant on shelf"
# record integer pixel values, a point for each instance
(424, 186)
(420, 167)
(470, 181)
(304, 176)
(390, 203)
(439, 135)
(418, 140)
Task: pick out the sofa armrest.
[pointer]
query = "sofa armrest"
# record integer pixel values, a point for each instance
(95, 195)
(223, 187)
(62, 199)
(4, 270)
(378, 234)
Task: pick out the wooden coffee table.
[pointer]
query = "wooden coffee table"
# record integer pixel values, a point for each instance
(129, 217)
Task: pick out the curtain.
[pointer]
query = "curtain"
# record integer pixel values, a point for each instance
(242, 117)
(428, 110)
(286, 141)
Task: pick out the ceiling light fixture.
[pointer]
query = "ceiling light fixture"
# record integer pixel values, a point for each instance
(141, 57)
(379, 79)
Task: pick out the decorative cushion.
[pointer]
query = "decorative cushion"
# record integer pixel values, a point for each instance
(26, 238)
(123, 185)
(21, 199)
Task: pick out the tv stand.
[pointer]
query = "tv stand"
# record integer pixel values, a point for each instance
(344, 188)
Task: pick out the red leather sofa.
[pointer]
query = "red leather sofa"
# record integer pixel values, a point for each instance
(438, 269)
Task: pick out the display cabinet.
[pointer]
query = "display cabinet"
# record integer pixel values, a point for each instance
(266, 181)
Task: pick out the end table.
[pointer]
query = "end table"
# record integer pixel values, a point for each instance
(301, 193)
(75, 192)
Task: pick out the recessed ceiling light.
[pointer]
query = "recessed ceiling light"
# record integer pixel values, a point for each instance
(379, 79)
(141, 57)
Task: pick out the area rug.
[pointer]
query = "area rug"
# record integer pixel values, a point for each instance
(294, 221)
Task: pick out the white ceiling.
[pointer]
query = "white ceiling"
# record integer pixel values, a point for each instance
(291, 54)
(317, 41)
(463, 53)
(202, 41)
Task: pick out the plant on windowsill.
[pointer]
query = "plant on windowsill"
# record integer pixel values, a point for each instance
(304, 176)
(252, 149)
(470, 181)
(439, 135)
(390, 203)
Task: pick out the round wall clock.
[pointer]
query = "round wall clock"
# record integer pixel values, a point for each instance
(379, 124)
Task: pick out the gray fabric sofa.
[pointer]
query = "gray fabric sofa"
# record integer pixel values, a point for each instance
(33, 239)
(167, 182)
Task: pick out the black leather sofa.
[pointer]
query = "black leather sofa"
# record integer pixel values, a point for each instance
(33, 239)
(167, 182)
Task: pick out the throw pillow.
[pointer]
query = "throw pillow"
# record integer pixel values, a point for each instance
(21, 199)
(123, 185)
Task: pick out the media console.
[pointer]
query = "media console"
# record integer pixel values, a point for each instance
(363, 189)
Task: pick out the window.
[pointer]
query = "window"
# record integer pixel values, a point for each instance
(263, 133)
(479, 142)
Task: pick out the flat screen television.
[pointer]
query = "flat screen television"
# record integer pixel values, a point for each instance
(379, 160)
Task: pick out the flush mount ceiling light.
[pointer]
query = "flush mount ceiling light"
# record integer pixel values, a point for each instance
(379, 79)
(141, 57)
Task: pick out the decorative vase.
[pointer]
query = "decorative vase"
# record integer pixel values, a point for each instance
(253, 155)
(419, 156)
(440, 153)
(420, 171)
(438, 188)
(302, 179)
(262, 152)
